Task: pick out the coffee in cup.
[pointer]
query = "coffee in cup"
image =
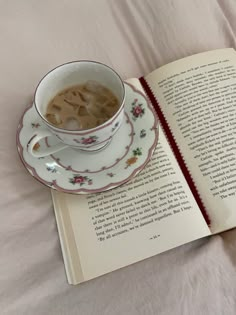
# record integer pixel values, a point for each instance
(82, 106)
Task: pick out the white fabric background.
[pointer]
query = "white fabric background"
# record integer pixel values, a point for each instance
(134, 37)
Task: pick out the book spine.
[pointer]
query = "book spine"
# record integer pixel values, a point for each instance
(175, 148)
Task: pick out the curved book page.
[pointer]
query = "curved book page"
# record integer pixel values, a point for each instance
(197, 98)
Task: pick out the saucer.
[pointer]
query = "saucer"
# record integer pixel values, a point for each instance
(81, 172)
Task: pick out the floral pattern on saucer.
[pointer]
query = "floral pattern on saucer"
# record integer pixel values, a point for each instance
(136, 153)
(137, 109)
(81, 172)
(80, 180)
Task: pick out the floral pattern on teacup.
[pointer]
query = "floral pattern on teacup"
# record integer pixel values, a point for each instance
(88, 140)
(115, 126)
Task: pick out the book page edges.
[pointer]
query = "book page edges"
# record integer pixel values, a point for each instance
(69, 249)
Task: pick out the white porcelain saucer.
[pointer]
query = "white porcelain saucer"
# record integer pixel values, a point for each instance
(80, 172)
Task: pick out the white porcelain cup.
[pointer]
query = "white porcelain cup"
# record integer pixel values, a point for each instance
(62, 77)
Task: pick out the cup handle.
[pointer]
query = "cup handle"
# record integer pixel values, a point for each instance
(33, 145)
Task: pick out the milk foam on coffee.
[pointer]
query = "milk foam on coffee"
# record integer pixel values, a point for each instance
(83, 106)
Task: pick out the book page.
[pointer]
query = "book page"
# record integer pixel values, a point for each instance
(152, 213)
(197, 96)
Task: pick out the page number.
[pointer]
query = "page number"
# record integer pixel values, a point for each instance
(154, 237)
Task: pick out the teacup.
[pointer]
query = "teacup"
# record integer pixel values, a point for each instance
(62, 77)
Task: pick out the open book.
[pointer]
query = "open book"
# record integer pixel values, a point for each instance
(188, 189)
